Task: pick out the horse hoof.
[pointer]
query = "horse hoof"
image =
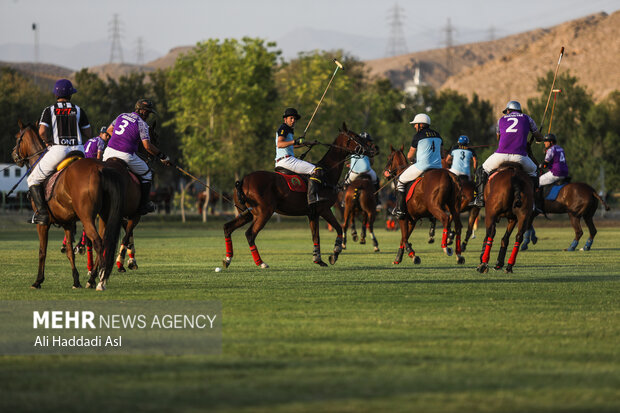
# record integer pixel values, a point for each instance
(100, 287)
(264, 265)
(569, 249)
(417, 260)
(508, 269)
(333, 259)
(460, 260)
(498, 267)
(396, 262)
(448, 251)
(431, 240)
(321, 263)
(355, 238)
(121, 269)
(90, 285)
(76, 287)
(483, 268)
(132, 265)
(35, 286)
(362, 241)
(63, 249)
(377, 249)
(226, 262)
(523, 247)
(463, 247)
(344, 246)
(534, 240)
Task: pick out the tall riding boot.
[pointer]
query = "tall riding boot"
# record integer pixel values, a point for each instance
(481, 180)
(377, 199)
(539, 202)
(146, 205)
(41, 216)
(400, 211)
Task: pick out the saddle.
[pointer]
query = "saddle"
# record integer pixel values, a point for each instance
(132, 175)
(503, 167)
(295, 182)
(50, 183)
(412, 186)
(550, 192)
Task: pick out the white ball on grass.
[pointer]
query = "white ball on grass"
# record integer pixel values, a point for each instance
(218, 269)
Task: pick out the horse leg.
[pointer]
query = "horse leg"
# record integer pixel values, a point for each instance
(473, 216)
(501, 256)
(89, 256)
(487, 244)
(352, 222)
(590, 223)
(71, 257)
(259, 222)
(345, 226)
(523, 224)
(93, 235)
(120, 258)
(132, 264)
(316, 239)
(237, 222)
(458, 228)
(445, 218)
(364, 229)
(575, 222)
(43, 232)
(431, 231)
(331, 219)
(371, 224)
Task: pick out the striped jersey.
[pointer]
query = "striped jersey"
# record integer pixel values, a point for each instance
(65, 121)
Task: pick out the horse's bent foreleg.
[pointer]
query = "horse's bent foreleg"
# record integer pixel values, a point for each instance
(473, 216)
(93, 235)
(431, 230)
(260, 219)
(71, 257)
(372, 215)
(501, 256)
(237, 222)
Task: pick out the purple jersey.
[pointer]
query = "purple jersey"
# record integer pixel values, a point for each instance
(555, 156)
(129, 130)
(513, 130)
(93, 146)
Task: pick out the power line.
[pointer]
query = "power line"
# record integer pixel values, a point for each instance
(140, 51)
(449, 29)
(396, 42)
(116, 51)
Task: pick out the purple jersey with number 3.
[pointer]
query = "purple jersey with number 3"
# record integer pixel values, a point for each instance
(129, 130)
(513, 130)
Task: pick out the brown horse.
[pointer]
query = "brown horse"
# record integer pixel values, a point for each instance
(83, 190)
(359, 197)
(261, 193)
(438, 195)
(508, 194)
(578, 200)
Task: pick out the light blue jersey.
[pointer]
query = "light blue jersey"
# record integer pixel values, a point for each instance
(360, 164)
(461, 161)
(288, 133)
(428, 149)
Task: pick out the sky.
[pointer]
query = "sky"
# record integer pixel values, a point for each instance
(164, 24)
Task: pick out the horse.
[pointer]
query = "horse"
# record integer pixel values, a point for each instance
(82, 190)
(359, 197)
(261, 193)
(437, 194)
(578, 200)
(509, 193)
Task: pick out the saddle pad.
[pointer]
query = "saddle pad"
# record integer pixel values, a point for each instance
(554, 191)
(294, 182)
(49, 185)
(412, 188)
(134, 177)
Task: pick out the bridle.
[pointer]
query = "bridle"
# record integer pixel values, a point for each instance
(17, 158)
(392, 172)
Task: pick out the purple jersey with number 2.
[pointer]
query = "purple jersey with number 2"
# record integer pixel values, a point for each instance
(129, 130)
(513, 130)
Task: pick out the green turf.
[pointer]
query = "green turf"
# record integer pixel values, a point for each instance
(363, 335)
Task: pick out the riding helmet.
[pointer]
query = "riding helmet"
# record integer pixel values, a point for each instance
(463, 140)
(291, 112)
(421, 118)
(512, 105)
(103, 130)
(366, 135)
(550, 138)
(145, 104)
(64, 88)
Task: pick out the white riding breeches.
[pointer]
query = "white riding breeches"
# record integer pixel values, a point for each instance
(353, 176)
(47, 165)
(548, 178)
(408, 175)
(133, 161)
(494, 161)
(296, 165)
(457, 173)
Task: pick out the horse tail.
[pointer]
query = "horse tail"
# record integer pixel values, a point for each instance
(240, 195)
(113, 191)
(597, 196)
(457, 193)
(517, 187)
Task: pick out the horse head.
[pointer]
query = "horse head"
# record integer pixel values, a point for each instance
(28, 144)
(353, 143)
(396, 163)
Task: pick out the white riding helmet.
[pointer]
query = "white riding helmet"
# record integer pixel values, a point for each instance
(512, 105)
(421, 118)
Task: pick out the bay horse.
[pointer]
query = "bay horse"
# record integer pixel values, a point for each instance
(508, 194)
(261, 193)
(578, 200)
(437, 195)
(359, 197)
(83, 190)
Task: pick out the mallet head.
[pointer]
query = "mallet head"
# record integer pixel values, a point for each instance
(338, 64)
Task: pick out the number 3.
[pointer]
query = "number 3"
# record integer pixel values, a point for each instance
(121, 128)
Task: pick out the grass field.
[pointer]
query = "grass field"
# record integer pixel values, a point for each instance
(363, 335)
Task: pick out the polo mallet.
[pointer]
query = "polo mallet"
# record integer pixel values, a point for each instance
(552, 87)
(338, 66)
(555, 95)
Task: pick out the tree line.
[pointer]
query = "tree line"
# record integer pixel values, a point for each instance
(220, 104)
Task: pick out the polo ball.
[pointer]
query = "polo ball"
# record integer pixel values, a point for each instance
(218, 269)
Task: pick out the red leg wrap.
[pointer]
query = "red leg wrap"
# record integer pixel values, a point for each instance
(84, 237)
(487, 250)
(444, 238)
(131, 255)
(458, 245)
(229, 247)
(89, 258)
(256, 255)
(515, 251)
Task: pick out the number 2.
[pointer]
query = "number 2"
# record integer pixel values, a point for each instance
(513, 127)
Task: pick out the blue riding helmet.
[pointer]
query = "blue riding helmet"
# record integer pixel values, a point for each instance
(366, 135)
(550, 138)
(463, 140)
(64, 88)
(103, 130)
